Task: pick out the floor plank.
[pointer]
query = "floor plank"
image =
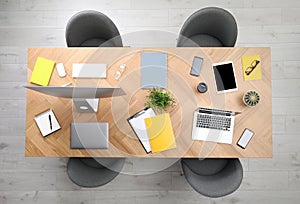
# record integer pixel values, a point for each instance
(279, 162)
(286, 106)
(250, 197)
(27, 181)
(12, 108)
(13, 73)
(12, 126)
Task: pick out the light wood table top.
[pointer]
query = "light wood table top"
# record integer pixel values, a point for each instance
(115, 110)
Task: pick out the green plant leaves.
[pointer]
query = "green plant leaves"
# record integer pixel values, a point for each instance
(159, 99)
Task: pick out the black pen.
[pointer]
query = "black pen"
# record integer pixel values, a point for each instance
(50, 122)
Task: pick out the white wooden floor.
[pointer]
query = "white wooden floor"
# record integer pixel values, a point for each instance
(41, 23)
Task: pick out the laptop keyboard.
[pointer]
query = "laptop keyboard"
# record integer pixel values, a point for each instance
(213, 122)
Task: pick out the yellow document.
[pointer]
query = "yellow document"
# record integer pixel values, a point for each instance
(251, 67)
(42, 71)
(160, 133)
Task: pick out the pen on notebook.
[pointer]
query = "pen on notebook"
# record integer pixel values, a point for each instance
(50, 122)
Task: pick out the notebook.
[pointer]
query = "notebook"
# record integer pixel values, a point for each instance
(154, 70)
(89, 71)
(247, 62)
(47, 122)
(42, 71)
(160, 133)
(137, 123)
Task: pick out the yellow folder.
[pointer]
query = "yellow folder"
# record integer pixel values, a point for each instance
(42, 71)
(160, 133)
(248, 62)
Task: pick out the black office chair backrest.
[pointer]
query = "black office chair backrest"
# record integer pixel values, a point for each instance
(213, 177)
(87, 25)
(94, 172)
(212, 21)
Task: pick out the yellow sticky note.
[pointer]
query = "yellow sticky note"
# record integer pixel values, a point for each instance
(42, 71)
(160, 133)
(248, 63)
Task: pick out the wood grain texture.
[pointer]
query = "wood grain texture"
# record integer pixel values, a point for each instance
(123, 143)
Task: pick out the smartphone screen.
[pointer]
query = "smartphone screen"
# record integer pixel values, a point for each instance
(245, 138)
(196, 66)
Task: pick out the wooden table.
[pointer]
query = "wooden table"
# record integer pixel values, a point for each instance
(115, 110)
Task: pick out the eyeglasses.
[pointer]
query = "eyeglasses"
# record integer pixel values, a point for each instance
(253, 65)
(121, 70)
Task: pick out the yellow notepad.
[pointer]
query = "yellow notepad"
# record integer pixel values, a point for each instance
(42, 71)
(248, 62)
(160, 133)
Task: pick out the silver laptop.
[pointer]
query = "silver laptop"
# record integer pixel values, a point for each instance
(213, 125)
(89, 135)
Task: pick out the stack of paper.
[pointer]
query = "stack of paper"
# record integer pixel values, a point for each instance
(138, 125)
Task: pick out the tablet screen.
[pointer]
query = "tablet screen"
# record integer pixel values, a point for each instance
(224, 76)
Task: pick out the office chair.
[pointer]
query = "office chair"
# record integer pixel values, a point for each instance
(92, 29)
(93, 172)
(213, 177)
(209, 27)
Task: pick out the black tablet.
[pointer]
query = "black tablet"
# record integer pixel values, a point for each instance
(225, 77)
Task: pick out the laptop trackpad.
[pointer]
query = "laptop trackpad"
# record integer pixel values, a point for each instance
(214, 135)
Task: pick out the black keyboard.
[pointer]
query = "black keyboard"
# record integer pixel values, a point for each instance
(212, 121)
(214, 111)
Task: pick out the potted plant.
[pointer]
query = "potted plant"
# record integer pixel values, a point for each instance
(159, 100)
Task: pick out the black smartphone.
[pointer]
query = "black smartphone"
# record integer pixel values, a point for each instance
(245, 138)
(196, 66)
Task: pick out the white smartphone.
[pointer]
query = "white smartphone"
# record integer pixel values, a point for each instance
(196, 66)
(245, 138)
